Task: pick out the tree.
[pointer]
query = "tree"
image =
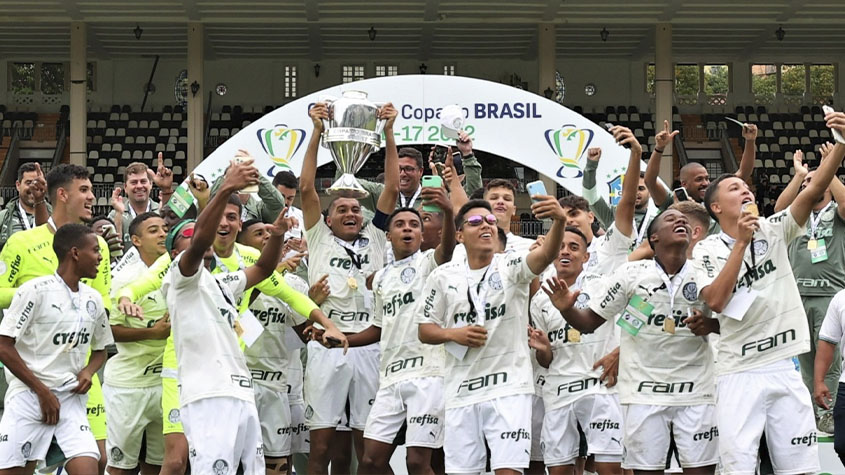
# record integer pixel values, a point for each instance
(686, 79)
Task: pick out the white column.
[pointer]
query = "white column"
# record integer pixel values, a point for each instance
(196, 111)
(664, 74)
(546, 55)
(78, 92)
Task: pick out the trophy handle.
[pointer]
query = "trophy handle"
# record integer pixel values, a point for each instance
(328, 100)
(380, 123)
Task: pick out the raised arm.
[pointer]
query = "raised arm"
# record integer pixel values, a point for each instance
(720, 291)
(806, 199)
(39, 191)
(472, 167)
(837, 188)
(658, 193)
(387, 199)
(787, 196)
(311, 212)
(239, 176)
(749, 153)
(272, 253)
(588, 182)
(540, 258)
(437, 197)
(625, 209)
(457, 193)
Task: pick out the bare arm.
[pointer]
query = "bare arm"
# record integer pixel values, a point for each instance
(806, 199)
(272, 252)
(311, 212)
(371, 335)
(787, 196)
(658, 193)
(563, 299)
(159, 331)
(541, 257)
(625, 209)
(437, 197)
(825, 352)
(720, 291)
(387, 199)
(749, 153)
(837, 189)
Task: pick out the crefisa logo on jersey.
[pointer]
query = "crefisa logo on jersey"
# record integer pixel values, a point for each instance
(407, 275)
(690, 291)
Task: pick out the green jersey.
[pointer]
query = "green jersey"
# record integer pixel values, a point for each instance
(29, 254)
(826, 276)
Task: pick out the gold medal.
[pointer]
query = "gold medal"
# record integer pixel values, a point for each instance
(669, 326)
(352, 283)
(239, 330)
(573, 336)
(812, 244)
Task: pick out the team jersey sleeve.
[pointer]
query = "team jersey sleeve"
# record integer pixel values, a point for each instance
(275, 286)
(148, 282)
(516, 268)
(434, 306)
(235, 281)
(537, 310)
(377, 312)
(102, 283)
(786, 224)
(610, 293)
(12, 253)
(102, 336)
(17, 317)
(831, 330)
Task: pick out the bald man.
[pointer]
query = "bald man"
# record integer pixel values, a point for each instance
(693, 176)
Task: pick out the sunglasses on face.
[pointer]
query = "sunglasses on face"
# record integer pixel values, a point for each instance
(477, 219)
(187, 233)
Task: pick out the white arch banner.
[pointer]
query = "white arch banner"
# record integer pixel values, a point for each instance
(509, 122)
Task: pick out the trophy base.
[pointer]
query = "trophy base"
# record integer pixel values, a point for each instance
(347, 187)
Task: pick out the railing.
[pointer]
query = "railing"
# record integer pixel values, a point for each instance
(728, 157)
(61, 141)
(678, 146)
(10, 165)
(527, 228)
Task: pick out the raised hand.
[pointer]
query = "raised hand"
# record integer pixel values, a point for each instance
(163, 177)
(749, 132)
(594, 154)
(665, 136)
(318, 112)
(38, 189)
(801, 168)
(464, 143)
(117, 203)
(320, 291)
(547, 206)
(747, 224)
(825, 149)
(561, 297)
(388, 112)
(281, 225)
(624, 136)
(240, 175)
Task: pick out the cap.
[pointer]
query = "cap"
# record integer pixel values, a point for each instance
(451, 121)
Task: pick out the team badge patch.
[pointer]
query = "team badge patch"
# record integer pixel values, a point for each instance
(26, 450)
(495, 281)
(582, 301)
(690, 291)
(309, 412)
(761, 247)
(2, 267)
(116, 454)
(92, 308)
(174, 417)
(220, 467)
(407, 275)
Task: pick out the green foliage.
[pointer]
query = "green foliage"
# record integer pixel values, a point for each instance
(716, 79)
(686, 79)
(792, 79)
(52, 78)
(22, 78)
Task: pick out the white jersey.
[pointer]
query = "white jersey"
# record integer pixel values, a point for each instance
(660, 363)
(775, 326)
(833, 326)
(53, 330)
(202, 315)
(137, 364)
(571, 375)
(350, 305)
(268, 358)
(502, 366)
(398, 290)
(609, 251)
(295, 379)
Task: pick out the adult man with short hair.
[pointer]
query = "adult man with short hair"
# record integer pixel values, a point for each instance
(765, 326)
(45, 338)
(573, 393)
(287, 184)
(342, 248)
(477, 308)
(20, 212)
(818, 267)
(659, 305)
(132, 387)
(138, 181)
(29, 254)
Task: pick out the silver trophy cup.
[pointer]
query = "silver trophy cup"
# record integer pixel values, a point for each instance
(351, 133)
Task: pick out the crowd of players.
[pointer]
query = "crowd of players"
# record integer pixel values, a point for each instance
(249, 332)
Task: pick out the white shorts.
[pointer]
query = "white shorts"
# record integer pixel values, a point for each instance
(274, 414)
(419, 402)
(538, 412)
(504, 422)
(600, 418)
(773, 399)
(299, 441)
(332, 378)
(223, 432)
(135, 413)
(23, 437)
(649, 430)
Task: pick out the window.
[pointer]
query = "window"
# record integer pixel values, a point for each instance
(22, 78)
(52, 78)
(792, 79)
(449, 70)
(352, 72)
(290, 81)
(649, 78)
(822, 82)
(764, 82)
(686, 80)
(716, 79)
(387, 70)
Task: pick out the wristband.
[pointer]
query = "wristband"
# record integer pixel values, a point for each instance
(658, 150)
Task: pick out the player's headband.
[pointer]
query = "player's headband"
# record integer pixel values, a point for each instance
(175, 232)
